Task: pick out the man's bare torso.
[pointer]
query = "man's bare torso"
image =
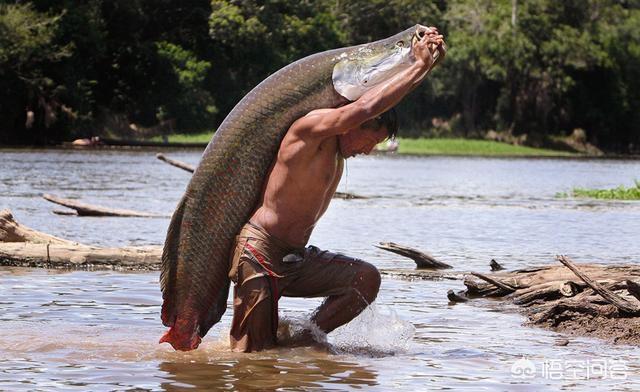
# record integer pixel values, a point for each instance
(299, 187)
(309, 164)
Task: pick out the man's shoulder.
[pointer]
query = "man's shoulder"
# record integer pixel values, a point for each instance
(303, 126)
(301, 140)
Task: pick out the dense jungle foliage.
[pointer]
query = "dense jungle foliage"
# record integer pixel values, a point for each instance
(133, 68)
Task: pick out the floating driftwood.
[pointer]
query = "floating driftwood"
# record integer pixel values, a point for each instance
(495, 266)
(173, 162)
(584, 299)
(12, 231)
(422, 274)
(347, 196)
(25, 254)
(422, 260)
(26, 247)
(83, 209)
(191, 169)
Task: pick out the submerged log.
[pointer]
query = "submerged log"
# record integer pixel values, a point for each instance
(495, 266)
(25, 254)
(496, 282)
(422, 260)
(12, 231)
(457, 298)
(26, 247)
(347, 196)
(583, 299)
(173, 162)
(633, 288)
(83, 209)
(422, 274)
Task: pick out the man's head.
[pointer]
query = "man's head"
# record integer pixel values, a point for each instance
(364, 138)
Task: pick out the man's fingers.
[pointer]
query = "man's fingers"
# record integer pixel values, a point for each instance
(438, 39)
(431, 34)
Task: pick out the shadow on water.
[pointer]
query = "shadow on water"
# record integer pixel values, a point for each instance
(299, 370)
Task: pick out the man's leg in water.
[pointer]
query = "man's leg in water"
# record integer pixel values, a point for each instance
(349, 284)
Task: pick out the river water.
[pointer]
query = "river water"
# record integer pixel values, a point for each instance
(82, 330)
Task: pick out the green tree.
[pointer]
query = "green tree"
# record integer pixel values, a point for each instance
(183, 95)
(255, 38)
(29, 97)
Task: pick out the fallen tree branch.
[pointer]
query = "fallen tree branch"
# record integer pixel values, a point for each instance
(501, 285)
(495, 266)
(546, 291)
(12, 231)
(607, 294)
(90, 210)
(552, 296)
(26, 247)
(347, 196)
(633, 288)
(25, 254)
(422, 260)
(454, 297)
(179, 164)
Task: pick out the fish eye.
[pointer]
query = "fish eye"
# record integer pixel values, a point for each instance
(400, 44)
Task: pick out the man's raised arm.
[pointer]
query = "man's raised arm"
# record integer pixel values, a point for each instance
(329, 122)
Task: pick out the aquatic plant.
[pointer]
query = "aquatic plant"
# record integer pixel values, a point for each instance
(619, 193)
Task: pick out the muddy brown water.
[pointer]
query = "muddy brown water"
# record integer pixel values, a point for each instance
(80, 330)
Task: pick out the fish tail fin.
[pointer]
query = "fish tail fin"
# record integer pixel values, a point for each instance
(170, 257)
(183, 336)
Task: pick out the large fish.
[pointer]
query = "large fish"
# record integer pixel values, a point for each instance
(227, 184)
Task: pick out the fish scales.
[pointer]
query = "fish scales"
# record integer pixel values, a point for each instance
(226, 186)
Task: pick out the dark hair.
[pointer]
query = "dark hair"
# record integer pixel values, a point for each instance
(389, 120)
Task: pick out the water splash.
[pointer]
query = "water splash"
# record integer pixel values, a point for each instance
(377, 331)
(296, 330)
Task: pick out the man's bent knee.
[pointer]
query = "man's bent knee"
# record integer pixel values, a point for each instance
(367, 282)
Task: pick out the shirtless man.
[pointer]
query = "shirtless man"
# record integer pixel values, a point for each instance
(270, 259)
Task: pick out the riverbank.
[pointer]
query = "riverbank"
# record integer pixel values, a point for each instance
(472, 147)
(428, 146)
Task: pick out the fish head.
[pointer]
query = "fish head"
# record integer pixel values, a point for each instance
(363, 67)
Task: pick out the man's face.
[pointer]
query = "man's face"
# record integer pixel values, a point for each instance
(361, 140)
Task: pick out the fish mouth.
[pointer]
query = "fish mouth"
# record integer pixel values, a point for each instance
(365, 66)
